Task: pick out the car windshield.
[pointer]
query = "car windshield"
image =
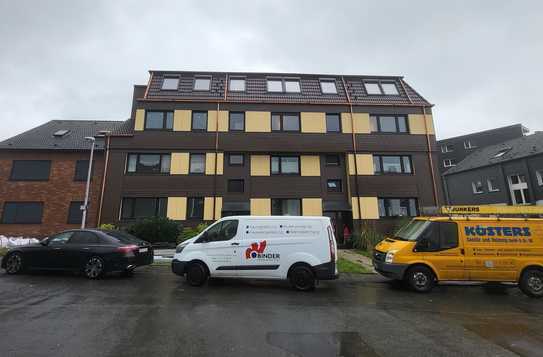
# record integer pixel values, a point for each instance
(412, 230)
(123, 237)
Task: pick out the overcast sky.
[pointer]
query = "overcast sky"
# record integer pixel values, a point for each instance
(480, 64)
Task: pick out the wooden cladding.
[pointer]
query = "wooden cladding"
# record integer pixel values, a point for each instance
(364, 164)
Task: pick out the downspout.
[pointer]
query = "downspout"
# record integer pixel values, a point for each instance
(103, 188)
(353, 138)
(429, 147)
(217, 149)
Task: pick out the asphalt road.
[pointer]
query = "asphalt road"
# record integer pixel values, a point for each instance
(155, 313)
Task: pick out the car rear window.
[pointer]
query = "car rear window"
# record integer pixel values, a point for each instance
(123, 237)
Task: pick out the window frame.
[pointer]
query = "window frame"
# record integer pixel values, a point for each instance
(339, 188)
(282, 122)
(132, 217)
(402, 165)
(70, 219)
(191, 155)
(338, 120)
(164, 120)
(410, 200)
(86, 171)
(283, 81)
(200, 216)
(229, 181)
(474, 187)
(19, 221)
(170, 77)
(244, 79)
(469, 146)
(230, 122)
(236, 154)
(280, 173)
(446, 147)
(539, 177)
(202, 77)
(452, 162)
(492, 188)
(286, 199)
(328, 80)
(192, 121)
(379, 83)
(147, 173)
(326, 163)
(396, 122)
(12, 173)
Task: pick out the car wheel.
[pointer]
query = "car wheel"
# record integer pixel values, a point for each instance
(421, 279)
(14, 263)
(302, 278)
(94, 268)
(196, 274)
(531, 282)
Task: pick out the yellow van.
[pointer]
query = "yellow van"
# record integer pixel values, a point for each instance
(468, 243)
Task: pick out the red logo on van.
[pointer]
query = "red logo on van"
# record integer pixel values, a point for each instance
(255, 249)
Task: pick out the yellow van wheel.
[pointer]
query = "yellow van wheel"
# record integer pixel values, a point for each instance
(531, 282)
(420, 278)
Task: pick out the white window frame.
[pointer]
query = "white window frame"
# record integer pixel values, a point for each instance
(170, 78)
(450, 164)
(237, 79)
(474, 187)
(445, 148)
(491, 188)
(539, 177)
(196, 78)
(328, 80)
(468, 145)
(515, 187)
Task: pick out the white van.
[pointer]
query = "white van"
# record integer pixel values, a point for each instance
(300, 249)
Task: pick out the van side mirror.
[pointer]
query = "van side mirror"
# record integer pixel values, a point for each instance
(44, 242)
(422, 245)
(204, 238)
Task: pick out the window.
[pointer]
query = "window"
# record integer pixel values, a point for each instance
(333, 123)
(221, 231)
(502, 152)
(197, 163)
(195, 208)
(331, 160)
(285, 122)
(60, 239)
(275, 85)
(397, 207)
(202, 83)
(199, 121)
(22, 212)
(388, 123)
(235, 186)
(148, 163)
(84, 237)
(449, 162)
(333, 185)
(519, 190)
(477, 187)
(286, 207)
(236, 121)
(30, 170)
(392, 164)
(492, 184)
(328, 86)
(75, 214)
(285, 165)
(237, 84)
(468, 145)
(280, 85)
(447, 148)
(438, 236)
(170, 83)
(155, 120)
(381, 88)
(60, 133)
(81, 170)
(292, 86)
(539, 177)
(235, 159)
(134, 208)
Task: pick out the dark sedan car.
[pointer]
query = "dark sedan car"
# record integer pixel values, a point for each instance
(93, 252)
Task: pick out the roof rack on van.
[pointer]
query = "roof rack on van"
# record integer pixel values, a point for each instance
(487, 210)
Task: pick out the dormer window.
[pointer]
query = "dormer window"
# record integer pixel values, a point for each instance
(502, 152)
(202, 83)
(328, 86)
(237, 84)
(170, 83)
(381, 88)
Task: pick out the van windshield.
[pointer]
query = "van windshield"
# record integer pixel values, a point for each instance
(412, 230)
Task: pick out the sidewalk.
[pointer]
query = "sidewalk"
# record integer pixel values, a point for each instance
(164, 254)
(353, 256)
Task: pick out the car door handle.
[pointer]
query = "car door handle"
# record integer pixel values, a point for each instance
(462, 251)
(234, 243)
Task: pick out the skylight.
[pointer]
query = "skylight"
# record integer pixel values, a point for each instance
(60, 133)
(170, 83)
(502, 152)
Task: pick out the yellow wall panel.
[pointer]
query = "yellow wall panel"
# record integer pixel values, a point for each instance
(179, 163)
(361, 123)
(310, 165)
(182, 120)
(210, 163)
(208, 208)
(312, 122)
(258, 122)
(364, 164)
(369, 207)
(418, 126)
(350, 162)
(312, 206)
(260, 165)
(260, 206)
(139, 121)
(354, 204)
(346, 126)
(177, 208)
(218, 207)
(212, 120)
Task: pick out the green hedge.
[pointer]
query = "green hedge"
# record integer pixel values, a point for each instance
(156, 229)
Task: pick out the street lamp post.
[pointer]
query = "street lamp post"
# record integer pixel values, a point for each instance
(85, 206)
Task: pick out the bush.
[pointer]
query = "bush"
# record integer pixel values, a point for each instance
(156, 229)
(190, 232)
(108, 226)
(367, 238)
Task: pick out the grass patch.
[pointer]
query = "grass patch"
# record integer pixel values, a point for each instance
(363, 252)
(162, 262)
(3, 251)
(346, 266)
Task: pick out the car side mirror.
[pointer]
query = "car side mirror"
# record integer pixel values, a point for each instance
(44, 242)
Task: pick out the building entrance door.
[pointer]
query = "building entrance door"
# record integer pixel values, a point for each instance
(342, 221)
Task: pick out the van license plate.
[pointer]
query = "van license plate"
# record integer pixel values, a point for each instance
(144, 250)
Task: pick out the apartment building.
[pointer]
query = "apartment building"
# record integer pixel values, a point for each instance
(202, 145)
(43, 176)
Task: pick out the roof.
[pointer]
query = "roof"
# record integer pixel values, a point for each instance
(490, 132)
(518, 148)
(349, 87)
(43, 137)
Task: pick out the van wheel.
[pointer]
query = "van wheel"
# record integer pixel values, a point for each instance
(196, 274)
(420, 278)
(302, 278)
(531, 282)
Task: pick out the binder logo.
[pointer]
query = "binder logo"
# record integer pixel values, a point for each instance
(255, 250)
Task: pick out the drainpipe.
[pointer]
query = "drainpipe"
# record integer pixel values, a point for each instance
(353, 138)
(431, 161)
(106, 162)
(217, 147)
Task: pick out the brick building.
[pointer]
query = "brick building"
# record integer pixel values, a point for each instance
(43, 176)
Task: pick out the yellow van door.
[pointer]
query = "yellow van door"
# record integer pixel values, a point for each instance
(444, 250)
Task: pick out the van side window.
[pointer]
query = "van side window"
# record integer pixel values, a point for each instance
(439, 236)
(449, 235)
(222, 231)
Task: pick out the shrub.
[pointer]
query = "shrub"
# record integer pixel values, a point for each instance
(190, 232)
(156, 229)
(108, 226)
(367, 238)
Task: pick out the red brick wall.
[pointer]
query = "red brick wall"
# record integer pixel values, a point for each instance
(56, 194)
